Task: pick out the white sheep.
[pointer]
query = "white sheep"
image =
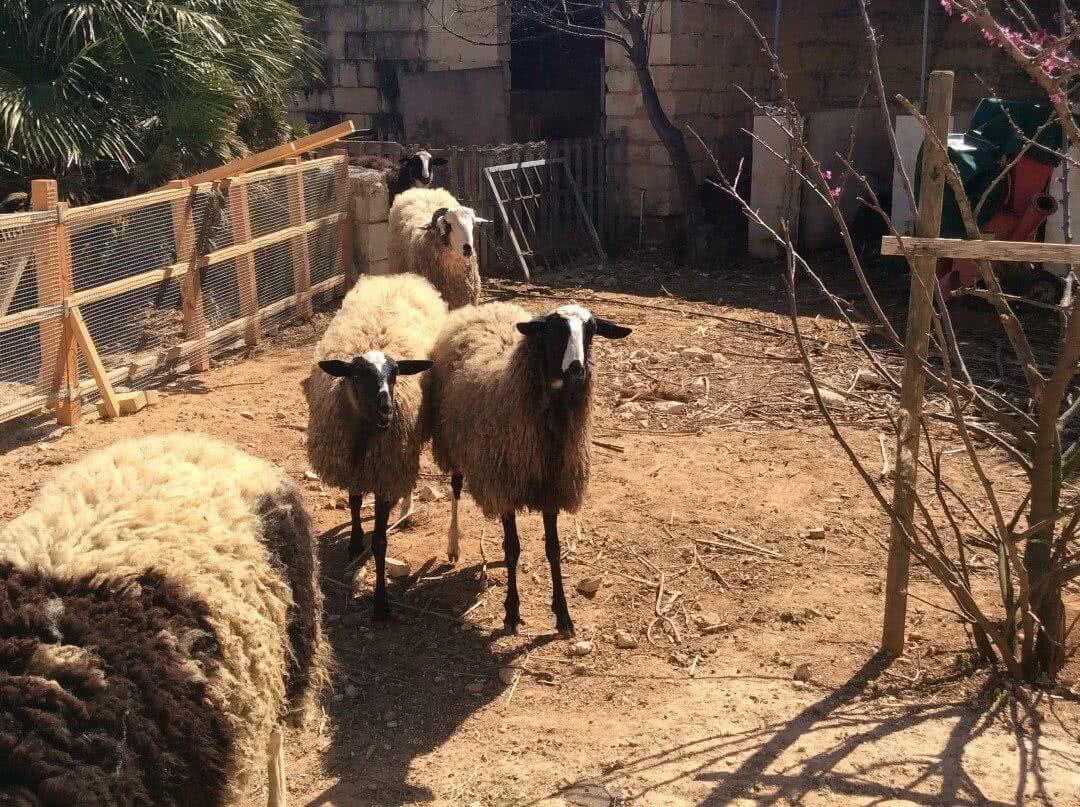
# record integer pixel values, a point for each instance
(365, 421)
(160, 620)
(431, 235)
(509, 403)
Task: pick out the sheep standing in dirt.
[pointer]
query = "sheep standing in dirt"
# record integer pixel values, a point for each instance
(509, 408)
(414, 171)
(364, 424)
(160, 619)
(431, 235)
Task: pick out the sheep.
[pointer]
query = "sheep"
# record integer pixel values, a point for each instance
(431, 235)
(160, 619)
(509, 410)
(414, 172)
(364, 410)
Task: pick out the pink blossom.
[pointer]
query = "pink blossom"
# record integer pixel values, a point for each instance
(988, 36)
(1058, 98)
(827, 174)
(965, 17)
(835, 193)
(947, 5)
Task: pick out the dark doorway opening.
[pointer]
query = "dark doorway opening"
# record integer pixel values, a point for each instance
(556, 79)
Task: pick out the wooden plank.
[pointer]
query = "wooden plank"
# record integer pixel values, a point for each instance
(93, 361)
(275, 154)
(298, 247)
(288, 168)
(101, 211)
(240, 218)
(50, 286)
(584, 215)
(345, 231)
(1033, 251)
(195, 324)
(916, 339)
(506, 222)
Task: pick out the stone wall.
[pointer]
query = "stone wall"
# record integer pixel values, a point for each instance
(703, 52)
(370, 45)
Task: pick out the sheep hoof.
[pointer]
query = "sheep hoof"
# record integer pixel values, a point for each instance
(356, 546)
(452, 557)
(565, 627)
(510, 624)
(382, 612)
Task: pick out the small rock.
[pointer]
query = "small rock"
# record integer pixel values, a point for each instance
(579, 668)
(828, 396)
(582, 648)
(391, 724)
(697, 354)
(351, 691)
(802, 673)
(507, 675)
(791, 618)
(474, 687)
(311, 475)
(282, 414)
(816, 533)
(670, 407)
(248, 415)
(624, 641)
(869, 378)
(707, 619)
(589, 586)
(430, 493)
(545, 677)
(397, 568)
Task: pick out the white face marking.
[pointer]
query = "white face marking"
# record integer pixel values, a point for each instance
(378, 359)
(459, 221)
(576, 316)
(425, 164)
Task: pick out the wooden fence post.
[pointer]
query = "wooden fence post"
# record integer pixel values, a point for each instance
(298, 246)
(348, 258)
(916, 338)
(240, 218)
(52, 258)
(195, 325)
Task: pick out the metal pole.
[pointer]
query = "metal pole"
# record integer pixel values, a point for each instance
(925, 36)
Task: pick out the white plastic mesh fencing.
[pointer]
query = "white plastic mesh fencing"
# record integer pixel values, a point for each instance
(129, 277)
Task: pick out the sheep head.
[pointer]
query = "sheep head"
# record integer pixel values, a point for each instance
(369, 380)
(455, 227)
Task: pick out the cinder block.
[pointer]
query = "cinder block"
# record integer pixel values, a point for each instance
(364, 100)
(624, 104)
(371, 202)
(660, 49)
(621, 81)
(371, 239)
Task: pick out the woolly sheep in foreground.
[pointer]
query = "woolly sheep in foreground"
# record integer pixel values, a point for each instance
(160, 617)
(364, 423)
(431, 235)
(510, 409)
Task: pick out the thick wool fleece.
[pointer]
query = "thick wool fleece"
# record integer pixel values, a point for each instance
(494, 420)
(179, 577)
(411, 248)
(399, 315)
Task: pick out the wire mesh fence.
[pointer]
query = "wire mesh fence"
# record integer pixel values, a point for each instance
(161, 281)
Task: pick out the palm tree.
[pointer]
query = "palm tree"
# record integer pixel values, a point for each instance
(112, 96)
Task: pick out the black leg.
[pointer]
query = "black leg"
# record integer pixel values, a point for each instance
(378, 545)
(511, 551)
(456, 481)
(554, 556)
(453, 538)
(356, 538)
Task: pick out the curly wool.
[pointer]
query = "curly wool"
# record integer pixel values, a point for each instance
(411, 248)
(399, 315)
(189, 567)
(494, 420)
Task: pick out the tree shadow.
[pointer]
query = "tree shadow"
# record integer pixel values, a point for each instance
(401, 691)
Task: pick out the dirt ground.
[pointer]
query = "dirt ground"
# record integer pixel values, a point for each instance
(713, 474)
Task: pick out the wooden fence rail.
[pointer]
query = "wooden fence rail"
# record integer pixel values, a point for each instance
(93, 272)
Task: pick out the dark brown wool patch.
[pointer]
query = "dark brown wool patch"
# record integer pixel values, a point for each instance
(148, 735)
(286, 533)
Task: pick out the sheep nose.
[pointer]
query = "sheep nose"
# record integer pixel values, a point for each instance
(466, 250)
(575, 370)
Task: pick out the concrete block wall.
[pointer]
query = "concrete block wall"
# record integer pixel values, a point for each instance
(371, 209)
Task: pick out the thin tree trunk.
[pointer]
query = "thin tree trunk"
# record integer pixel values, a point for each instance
(672, 138)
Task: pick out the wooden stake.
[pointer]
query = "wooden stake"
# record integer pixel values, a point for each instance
(920, 306)
(240, 216)
(298, 247)
(93, 361)
(348, 259)
(195, 324)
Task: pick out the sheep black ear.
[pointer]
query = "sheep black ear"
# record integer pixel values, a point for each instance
(533, 327)
(609, 330)
(334, 367)
(413, 366)
(438, 214)
(438, 161)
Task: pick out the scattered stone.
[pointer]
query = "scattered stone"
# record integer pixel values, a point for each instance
(828, 396)
(869, 378)
(507, 675)
(791, 618)
(311, 475)
(430, 493)
(707, 619)
(282, 414)
(397, 568)
(391, 724)
(697, 354)
(545, 677)
(474, 687)
(248, 415)
(582, 648)
(579, 668)
(589, 586)
(624, 641)
(816, 533)
(802, 673)
(670, 407)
